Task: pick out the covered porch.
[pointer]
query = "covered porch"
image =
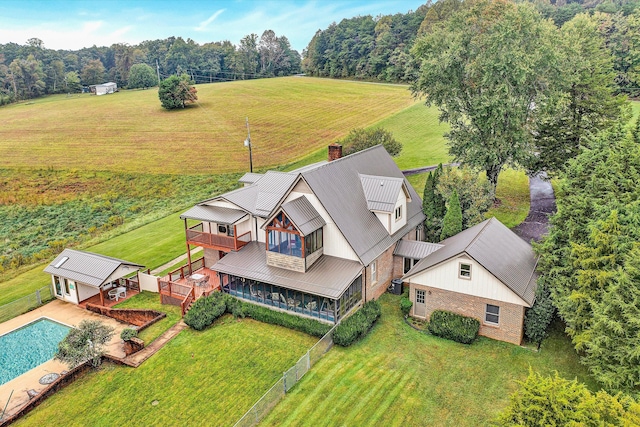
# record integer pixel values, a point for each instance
(327, 291)
(220, 228)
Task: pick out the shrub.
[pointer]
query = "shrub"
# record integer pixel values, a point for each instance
(205, 311)
(358, 325)
(405, 304)
(453, 326)
(266, 315)
(128, 333)
(86, 342)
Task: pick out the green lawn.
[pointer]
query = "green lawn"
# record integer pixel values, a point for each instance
(199, 378)
(513, 192)
(398, 376)
(150, 245)
(151, 301)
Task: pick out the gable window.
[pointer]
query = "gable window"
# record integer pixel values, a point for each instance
(492, 314)
(374, 271)
(282, 237)
(464, 271)
(398, 213)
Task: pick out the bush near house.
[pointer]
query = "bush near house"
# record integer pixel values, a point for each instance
(453, 326)
(206, 310)
(405, 304)
(358, 325)
(128, 333)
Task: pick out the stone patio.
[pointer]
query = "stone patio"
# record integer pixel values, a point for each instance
(63, 312)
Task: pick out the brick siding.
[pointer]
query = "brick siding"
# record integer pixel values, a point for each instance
(510, 328)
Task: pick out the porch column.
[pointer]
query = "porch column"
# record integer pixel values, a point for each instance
(188, 248)
(101, 296)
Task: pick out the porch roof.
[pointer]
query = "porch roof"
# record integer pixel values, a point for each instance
(328, 277)
(217, 214)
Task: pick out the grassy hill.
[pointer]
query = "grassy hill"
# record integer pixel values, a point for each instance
(129, 131)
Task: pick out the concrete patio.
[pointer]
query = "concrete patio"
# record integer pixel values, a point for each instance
(63, 312)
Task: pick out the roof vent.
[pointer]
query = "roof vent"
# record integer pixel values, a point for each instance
(62, 261)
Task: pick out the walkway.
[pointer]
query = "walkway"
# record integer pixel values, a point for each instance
(543, 204)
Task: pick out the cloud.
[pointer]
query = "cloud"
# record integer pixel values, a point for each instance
(204, 24)
(121, 31)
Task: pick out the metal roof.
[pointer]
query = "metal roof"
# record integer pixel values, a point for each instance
(262, 197)
(381, 192)
(498, 249)
(217, 214)
(86, 267)
(415, 249)
(327, 277)
(303, 215)
(309, 167)
(250, 177)
(338, 187)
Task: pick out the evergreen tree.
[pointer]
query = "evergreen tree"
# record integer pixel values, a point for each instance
(175, 92)
(539, 316)
(433, 206)
(452, 222)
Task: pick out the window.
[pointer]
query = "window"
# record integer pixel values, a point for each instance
(66, 287)
(222, 229)
(398, 212)
(58, 283)
(313, 242)
(465, 271)
(374, 271)
(492, 315)
(408, 263)
(419, 296)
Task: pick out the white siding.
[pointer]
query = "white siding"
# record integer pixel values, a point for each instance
(72, 290)
(402, 203)
(245, 226)
(333, 241)
(482, 283)
(385, 220)
(223, 204)
(86, 291)
(121, 271)
(260, 233)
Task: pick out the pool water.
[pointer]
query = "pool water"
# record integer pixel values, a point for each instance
(31, 345)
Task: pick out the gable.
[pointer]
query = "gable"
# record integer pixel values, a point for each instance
(482, 283)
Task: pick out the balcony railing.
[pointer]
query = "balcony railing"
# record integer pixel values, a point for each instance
(196, 236)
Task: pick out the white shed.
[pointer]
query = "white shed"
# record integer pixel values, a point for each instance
(106, 88)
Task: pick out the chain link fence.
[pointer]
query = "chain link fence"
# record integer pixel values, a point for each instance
(288, 380)
(24, 304)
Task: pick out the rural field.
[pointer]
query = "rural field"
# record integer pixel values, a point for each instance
(129, 131)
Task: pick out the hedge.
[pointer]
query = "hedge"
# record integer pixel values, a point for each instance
(203, 314)
(454, 326)
(358, 325)
(205, 311)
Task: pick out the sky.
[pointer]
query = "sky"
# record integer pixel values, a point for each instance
(76, 24)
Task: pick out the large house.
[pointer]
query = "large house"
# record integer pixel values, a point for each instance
(316, 241)
(486, 272)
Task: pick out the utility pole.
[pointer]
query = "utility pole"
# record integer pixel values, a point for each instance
(247, 143)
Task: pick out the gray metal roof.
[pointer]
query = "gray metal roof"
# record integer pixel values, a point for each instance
(415, 249)
(264, 195)
(327, 277)
(498, 249)
(250, 177)
(338, 187)
(303, 215)
(381, 192)
(309, 167)
(86, 267)
(217, 214)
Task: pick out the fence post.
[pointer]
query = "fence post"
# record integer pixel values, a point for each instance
(284, 381)
(308, 360)
(39, 300)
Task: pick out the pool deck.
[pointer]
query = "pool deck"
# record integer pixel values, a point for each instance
(63, 312)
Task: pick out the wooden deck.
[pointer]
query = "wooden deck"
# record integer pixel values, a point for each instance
(212, 284)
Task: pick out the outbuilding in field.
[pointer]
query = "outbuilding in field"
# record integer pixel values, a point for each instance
(104, 88)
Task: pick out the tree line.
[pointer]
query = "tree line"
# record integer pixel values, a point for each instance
(31, 70)
(378, 48)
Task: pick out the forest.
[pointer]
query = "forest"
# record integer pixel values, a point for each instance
(31, 70)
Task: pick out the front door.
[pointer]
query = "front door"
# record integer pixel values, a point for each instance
(420, 307)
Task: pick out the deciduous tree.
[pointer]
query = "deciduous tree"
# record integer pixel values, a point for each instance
(360, 139)
(474, 193)
(176, 91)
(487, 68)
(84, 343)
(142, 76)
(93, 73)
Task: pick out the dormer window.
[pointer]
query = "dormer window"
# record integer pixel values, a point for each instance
(283, 237)
(398, 212)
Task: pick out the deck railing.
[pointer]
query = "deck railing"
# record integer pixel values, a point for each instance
(183, 271)
(196, 236)
(186, 302)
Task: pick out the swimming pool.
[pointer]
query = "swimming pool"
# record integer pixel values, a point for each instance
(29, 346)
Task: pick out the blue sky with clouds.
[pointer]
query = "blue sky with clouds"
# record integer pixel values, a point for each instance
(75, 24)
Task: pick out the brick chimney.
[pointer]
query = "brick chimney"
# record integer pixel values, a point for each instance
(335, 151)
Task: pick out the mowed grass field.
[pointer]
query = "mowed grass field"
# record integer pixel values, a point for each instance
(129, 131)
(397, 376)
(208, 378)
